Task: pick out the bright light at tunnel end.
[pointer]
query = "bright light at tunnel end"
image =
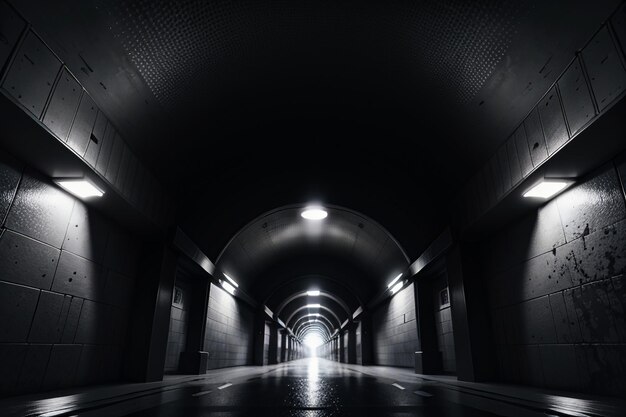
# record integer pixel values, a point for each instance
(313, 293)
(313, 305)
(314, 213)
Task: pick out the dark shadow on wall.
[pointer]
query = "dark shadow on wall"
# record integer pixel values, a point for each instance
(66, 286)
(557, 289)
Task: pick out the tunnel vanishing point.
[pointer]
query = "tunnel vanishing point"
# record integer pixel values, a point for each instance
(312, 208)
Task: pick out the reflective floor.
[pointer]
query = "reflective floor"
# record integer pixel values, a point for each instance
(309, 387)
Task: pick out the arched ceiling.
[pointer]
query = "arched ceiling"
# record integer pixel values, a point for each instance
(386, 107)
(281, 255)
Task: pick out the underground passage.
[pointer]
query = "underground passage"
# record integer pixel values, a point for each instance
(312, 208)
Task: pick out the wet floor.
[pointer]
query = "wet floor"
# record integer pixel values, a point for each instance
(310, 388)
(307, 388)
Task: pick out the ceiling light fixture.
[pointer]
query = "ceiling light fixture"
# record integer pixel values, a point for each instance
(395, 280)
(232, 281)
(79, 187)
(397, 287)
(229, 288)
(313, 306)
(547, 188)
(314, 213)
(313, 293)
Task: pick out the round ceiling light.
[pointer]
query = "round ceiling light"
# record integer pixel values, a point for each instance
(314, 213)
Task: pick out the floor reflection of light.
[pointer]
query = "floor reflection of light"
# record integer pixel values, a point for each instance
(313, 382)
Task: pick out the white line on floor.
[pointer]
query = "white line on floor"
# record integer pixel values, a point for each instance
(197, 394)
(395, 384)
(225, 386)
(422, 393)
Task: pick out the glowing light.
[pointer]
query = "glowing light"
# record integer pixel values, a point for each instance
(397, 287)
(313, 340)
(546, 189)
(313, 305)
(229, 288)
(394, 280)
(313, 293)
(314, 213)
(232, 281)
(81, 188)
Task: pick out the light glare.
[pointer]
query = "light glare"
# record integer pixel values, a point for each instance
(546, 189)
(313, 305)
(232, 281)
(394, 280)
(313, 293)
(397, 287)
(314, 213)
(81, 188)
(229, 288)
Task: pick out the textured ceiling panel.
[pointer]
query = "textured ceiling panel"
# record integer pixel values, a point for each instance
(178, 46)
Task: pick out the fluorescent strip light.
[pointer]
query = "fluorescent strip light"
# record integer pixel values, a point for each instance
(394, 280)
(81, 188)
(313, 306)
(313, 293)
(547, 188)
(229, 288)
(314, 213)
(397, 287)
(232, 281)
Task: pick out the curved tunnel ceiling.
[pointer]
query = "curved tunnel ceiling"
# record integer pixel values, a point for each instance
(346, 248)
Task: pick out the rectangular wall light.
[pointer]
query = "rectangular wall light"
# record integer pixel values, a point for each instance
(232, 281)
(547, 188)
(229, 288)
(397, 287)
(394, 280)
(313, 293)
(313, 305)
(79, 187)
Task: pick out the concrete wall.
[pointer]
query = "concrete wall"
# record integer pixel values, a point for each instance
(228, 337)
(557, 289)
(395, 330)
(66, 283)
(266, 344)
(176, 338)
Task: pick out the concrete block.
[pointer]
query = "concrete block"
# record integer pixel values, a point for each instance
(17, 308)
(48, 322)
(33, 368)
(79, 277)
(87, 233)
(26, 261)
(61, 369)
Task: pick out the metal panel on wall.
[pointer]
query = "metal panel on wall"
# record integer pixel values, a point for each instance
(11, 27)
(123, 171)
(63, 104)
(78, 138)
(514, 165)
(32, 74)
(576, 97)
(95, 139)
(552, 121)
(619, 25)
(105, 149)
(535, 139)
(504, 167)
(523, 153)
(115, 159)
(605, 68)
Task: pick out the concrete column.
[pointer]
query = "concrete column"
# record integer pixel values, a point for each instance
(351, 329)
(194, 359)
(472, 334)
(274, 351)
(342, 356)
(259, 337)
(427, 357)
(150, 319)
(284, 348)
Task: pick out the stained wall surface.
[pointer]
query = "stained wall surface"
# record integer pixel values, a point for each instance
(557, 289)
(179, 319)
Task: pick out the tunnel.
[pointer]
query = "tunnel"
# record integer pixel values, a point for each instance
(312, 208)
